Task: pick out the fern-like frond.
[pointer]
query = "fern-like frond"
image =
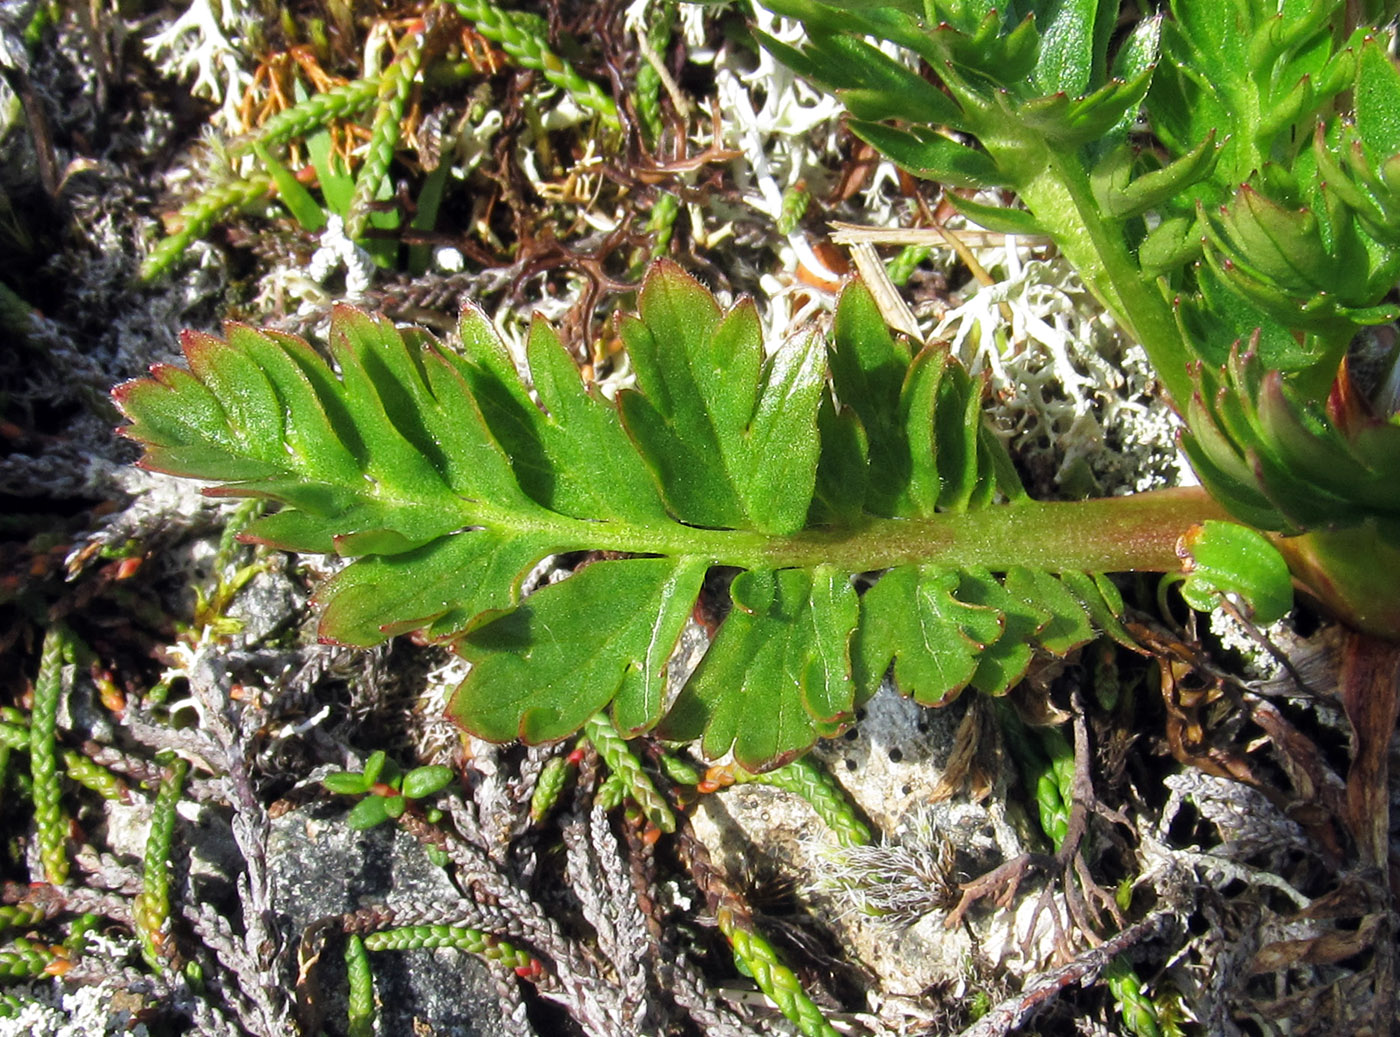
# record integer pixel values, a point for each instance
(815, 471)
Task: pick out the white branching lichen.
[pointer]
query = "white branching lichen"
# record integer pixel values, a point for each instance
(85, 1011)
(1076, 400)
(337, 251)
(204, 43)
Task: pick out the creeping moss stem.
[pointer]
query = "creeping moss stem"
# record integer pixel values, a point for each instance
(14, 736)
(680, 771)
(806, 778)
(24, 959)
(612, 791)
(518, 37)
(796, 200)
(548, 785)
(903, 265)
(394, 87)
(775, 979)
(198, 216)
(151, 912)
(52, 826)
(427, 937)
(360, 1010)
(1139, 1014)
(78, 932)
(657, 39)
(752, 952)
(94, 776)
(663, 222)
(620, 761)
(312, 114)
(14, 916)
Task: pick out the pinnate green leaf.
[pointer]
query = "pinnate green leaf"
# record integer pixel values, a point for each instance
(448, 474)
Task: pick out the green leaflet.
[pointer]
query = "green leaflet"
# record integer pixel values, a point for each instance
(438, 588)
(912, 617)
(1121, 195)
(1378, 103)
(447, 480)
(1224, 558)
(544, 668)
(569, 453)
(1073, 40)
(788, 631)
(729, 436)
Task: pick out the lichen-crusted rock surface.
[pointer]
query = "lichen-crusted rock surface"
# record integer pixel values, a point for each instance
(321, 869)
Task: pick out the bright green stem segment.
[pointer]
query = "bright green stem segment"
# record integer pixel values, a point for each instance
(49, 819)
(1062, 201)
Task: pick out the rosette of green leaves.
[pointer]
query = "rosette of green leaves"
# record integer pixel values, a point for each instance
(1293, 218)
(1324, 472)
(872, 520)
(1258, 210)
(1038, 98)
(387, 790)
(1300, 256)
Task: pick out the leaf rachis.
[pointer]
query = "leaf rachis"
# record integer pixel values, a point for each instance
(437, 470)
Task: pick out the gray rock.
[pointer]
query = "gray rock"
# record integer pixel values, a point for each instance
(323, 867)
(889, 764)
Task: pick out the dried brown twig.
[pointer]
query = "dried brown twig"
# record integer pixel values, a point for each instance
(1039, 992)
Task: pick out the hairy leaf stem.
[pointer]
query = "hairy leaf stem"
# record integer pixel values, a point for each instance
(1110, 534)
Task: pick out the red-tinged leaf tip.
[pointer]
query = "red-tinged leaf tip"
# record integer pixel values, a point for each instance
(345, 317)
(165, 375)
(120, 394)
(200, 348)
(1344, 405)
(194, 338)
(667, 273)
(1185, 546)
